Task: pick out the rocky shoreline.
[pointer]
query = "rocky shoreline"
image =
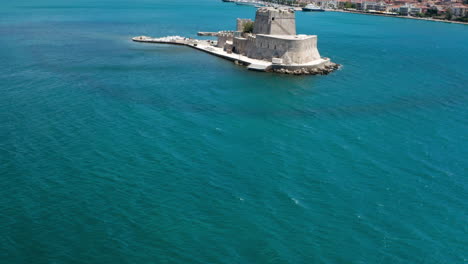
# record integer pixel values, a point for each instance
(323, 70)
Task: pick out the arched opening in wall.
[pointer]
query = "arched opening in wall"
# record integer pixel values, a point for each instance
(272, 19)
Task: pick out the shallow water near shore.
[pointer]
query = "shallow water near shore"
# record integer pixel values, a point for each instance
(119, 152)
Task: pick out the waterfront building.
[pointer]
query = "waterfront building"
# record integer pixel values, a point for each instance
(332, 4)
(393, 8)
(459, 10)
(370, 5)
(409, 9)
(381, 6)
(365, 5)
(403, 7)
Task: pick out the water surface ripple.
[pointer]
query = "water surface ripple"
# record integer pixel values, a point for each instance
(120, 152)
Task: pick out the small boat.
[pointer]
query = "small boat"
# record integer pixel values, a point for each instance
(249, 3)
(312, 8)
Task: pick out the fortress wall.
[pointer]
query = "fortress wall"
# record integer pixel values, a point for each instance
(303, 51)
(274, 37)
(266, 49)
(243, 45)
(283, 23)
(240, 45)
(223, 38)
(262, 23)
(270, 21)
(292, 51)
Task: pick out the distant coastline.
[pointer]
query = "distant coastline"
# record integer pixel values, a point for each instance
(397, 16)
(296, 8)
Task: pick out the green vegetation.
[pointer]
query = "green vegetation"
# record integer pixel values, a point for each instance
(463, 19)
(431, 12)
(248, 27)
(448, 15)
(349, 5)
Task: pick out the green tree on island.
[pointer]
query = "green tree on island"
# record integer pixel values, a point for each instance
(248, 27)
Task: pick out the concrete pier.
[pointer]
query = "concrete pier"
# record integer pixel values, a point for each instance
(213, 34)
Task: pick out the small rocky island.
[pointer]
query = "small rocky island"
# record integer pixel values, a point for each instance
(269, 44)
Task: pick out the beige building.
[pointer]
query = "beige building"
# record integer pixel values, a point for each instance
(459, 10)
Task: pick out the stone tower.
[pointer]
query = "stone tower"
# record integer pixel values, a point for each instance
(272, 21)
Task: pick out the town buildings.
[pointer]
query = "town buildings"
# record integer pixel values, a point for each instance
(456, 8)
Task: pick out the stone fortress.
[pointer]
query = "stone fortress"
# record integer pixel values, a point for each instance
(269, 43)
(273, 38)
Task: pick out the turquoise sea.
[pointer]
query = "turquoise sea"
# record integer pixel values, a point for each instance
(120, 152)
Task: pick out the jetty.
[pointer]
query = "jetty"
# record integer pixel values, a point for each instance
(208, 46)
(270, 44)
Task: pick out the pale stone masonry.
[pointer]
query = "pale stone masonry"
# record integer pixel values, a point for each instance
(273, 38)
(272, 21)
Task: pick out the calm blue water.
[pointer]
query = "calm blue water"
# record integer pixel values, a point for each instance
(120, 152)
